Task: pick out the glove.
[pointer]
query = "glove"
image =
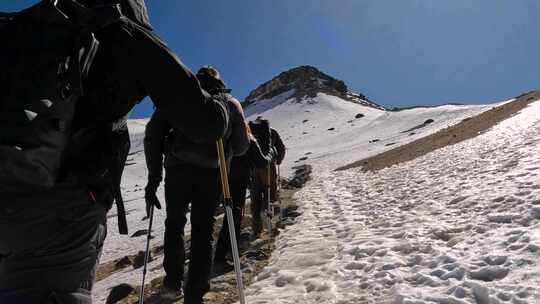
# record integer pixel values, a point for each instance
(150, 196)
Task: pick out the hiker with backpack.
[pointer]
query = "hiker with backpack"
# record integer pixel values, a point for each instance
(192, 177)
(263, 187)
(239, 179)
(71, 73)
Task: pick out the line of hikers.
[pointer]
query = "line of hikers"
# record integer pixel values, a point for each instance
(72, 70)
(192, 177)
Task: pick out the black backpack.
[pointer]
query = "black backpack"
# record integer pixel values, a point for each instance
(46, 53)
(261, 130)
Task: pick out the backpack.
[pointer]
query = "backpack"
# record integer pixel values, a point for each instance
(50, 49)
(261, 130)
(183, 149)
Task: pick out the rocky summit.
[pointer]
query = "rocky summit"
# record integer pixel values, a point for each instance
(306, 82)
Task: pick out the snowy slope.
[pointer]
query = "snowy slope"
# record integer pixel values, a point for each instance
(458, 225)
(329, 149)
(304, 127)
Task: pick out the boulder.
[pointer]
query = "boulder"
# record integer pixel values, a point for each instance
(138, 261)
(119, 292)
(122, 263)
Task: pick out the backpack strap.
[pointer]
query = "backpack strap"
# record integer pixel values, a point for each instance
(119, 136)
(86, 45)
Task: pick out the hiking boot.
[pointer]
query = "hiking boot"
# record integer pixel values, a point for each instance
(170, 294)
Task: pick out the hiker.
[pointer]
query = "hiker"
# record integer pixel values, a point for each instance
(264, 179)
(239, 179)
(63, 135)
(279, 150)
(192, 177)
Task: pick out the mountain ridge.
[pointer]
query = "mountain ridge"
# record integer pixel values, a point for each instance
(306, 82)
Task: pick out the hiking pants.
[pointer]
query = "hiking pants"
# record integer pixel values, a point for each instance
(259, 195)
(200, 187)
(50, 255)
(238, 193)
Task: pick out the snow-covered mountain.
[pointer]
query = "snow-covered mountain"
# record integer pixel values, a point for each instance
(449, 227)
(325, 124)
(306, 82)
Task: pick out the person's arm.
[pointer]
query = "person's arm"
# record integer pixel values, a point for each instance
(154, 139)
(280, 147)
(256, 155)
(239, 136)
(173, 88)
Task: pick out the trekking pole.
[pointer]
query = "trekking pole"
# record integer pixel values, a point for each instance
(147, 254)
(230, 220)
(270, 207)
(281, 209)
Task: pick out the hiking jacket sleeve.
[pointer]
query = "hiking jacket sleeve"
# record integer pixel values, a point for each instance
(239, 136)
(279, 146)
(174, 89)
(154, 143)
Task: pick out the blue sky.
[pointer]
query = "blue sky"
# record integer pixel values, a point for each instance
(398, 53)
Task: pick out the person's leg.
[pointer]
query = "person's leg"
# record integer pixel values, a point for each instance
(239, 198)
(273, 182)
(256, 207)
(51, 256)
(223, 242)
(177, 198)
(208, 193)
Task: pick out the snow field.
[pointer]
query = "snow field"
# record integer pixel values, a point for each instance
(325, 149)
(324, 129)
(458, 225)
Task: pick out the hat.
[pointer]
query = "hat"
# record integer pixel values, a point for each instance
(209, 70)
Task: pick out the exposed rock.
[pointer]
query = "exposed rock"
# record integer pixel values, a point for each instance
(123, 262)
(119, 292)
(138, 261)
(301, 176)
(140, 233)
(306, 82)
(359, 115)
(301, 159)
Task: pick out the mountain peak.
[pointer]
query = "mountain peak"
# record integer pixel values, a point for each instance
(306, 81)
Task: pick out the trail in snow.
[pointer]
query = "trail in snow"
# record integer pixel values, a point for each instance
(459, 225)
(324, 149)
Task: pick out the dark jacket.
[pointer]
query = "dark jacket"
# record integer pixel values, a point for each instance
(278, 145)
(132, 63)
(163, 139)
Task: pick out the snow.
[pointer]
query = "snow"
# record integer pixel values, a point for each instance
(304, 127)
(347, 232)
(458, 225)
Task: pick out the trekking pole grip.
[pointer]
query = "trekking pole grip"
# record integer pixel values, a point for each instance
(223, 170)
